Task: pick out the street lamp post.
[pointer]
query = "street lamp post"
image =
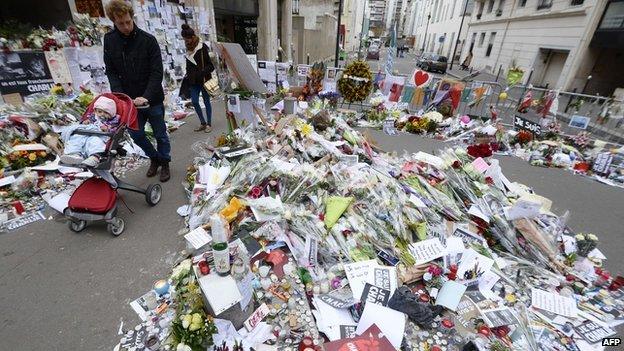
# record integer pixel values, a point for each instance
(338, 34)
(461, 24)
(426, 30)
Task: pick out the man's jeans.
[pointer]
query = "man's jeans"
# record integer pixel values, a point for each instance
(155, 115)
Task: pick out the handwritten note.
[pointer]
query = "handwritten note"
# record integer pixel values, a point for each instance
(198, 237)
(427, 250)
(555, 303)
(357, 274)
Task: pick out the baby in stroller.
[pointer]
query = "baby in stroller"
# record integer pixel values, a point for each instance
(86, 149)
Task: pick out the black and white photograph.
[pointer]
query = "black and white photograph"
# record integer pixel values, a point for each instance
(24, 72)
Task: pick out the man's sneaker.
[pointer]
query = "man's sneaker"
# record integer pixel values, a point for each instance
(153, 168)
(165, 173)
(72, 159)
(91, 161)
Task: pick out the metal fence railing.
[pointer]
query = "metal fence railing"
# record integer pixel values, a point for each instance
(600, 116)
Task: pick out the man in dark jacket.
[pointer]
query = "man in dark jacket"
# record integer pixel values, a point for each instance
(134, 67)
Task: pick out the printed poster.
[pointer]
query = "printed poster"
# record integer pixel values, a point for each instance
(24, 72)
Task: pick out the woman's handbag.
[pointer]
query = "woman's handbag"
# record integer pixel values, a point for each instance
(212, 84)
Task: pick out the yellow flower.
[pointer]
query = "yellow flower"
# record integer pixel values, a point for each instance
(186, 321)
(32, 156)
(306, 129)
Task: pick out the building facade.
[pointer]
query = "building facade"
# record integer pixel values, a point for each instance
(548, 39)
(352, 20)
(604, 57)
(435, 25)
(377, 21)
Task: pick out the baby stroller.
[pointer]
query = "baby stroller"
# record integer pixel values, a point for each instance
(96, 198)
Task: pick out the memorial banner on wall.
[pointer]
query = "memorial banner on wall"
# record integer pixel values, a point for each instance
(24, 72)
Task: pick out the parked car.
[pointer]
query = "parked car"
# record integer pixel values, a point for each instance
(433, 62)
(373, 53)
(421, 57)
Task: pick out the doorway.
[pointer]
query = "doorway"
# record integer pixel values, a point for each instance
(548, 67)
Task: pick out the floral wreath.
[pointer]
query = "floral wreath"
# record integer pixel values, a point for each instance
(356, 82)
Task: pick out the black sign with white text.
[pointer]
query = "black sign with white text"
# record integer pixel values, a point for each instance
(24, 72)
(523, 123)
(375, 294)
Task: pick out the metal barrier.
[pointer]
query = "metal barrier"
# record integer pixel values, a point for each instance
(575, 112)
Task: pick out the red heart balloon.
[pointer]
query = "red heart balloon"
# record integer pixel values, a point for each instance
(421, 77)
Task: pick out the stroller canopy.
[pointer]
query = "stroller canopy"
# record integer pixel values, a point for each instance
(125, 109)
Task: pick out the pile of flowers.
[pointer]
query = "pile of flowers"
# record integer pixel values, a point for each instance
(329, 99)
(480, 150)
(419, 125)
(378, 111)
(22, 159)
(581, 140)
(192, 328)
(524, 137)
(553, 130)
(314, 82)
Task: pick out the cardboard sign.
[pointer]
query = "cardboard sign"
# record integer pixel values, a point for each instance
(375, 294)
(602, 163)
(303, 70)
(14, 99)
(525, 124)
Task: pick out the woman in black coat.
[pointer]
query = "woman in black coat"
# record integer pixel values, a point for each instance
(199, 69)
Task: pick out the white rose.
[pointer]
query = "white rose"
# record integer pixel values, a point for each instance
(183, 347)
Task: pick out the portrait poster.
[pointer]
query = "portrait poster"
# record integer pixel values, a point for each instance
(24, 72)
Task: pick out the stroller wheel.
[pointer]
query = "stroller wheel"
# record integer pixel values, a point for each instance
(77, 226)
(153, 194)
(116, 226)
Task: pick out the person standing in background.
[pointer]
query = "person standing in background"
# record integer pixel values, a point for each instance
(199, 69)
(134, 67)
(466, 64)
